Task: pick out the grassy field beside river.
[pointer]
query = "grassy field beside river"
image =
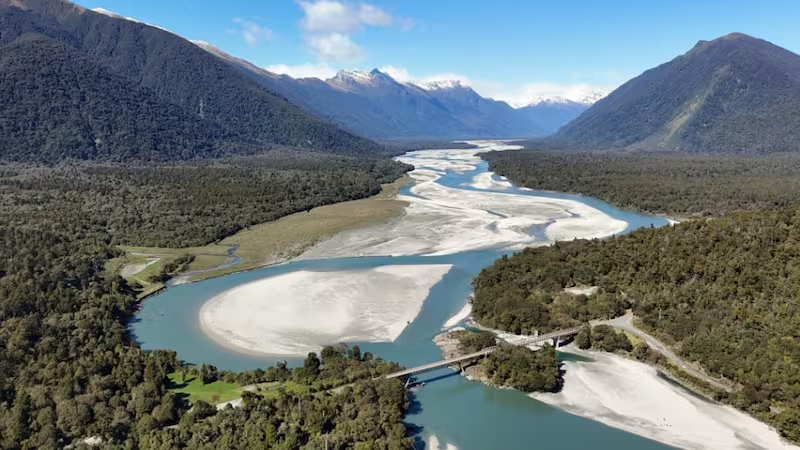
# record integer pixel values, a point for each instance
(267, 243)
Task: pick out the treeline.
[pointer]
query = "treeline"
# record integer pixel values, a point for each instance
(190, 204)
(335, 366)
(675, 184)
(178, 264)
(723, 292)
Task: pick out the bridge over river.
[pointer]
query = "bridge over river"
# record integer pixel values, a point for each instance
(554, 336)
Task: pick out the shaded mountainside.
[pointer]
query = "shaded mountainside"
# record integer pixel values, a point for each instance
(72, 108)
(733, 94)
(110, 57)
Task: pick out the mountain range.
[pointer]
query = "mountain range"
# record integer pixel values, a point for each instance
(733, 94)
(376, 105)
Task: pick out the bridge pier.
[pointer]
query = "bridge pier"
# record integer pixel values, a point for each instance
(408, 381)
(557, 341)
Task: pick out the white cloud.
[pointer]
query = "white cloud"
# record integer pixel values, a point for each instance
(252, 32)
(374, 16)
(330, 25)
(398, 73)
(321, 71)
(326, 16)
(335, 47)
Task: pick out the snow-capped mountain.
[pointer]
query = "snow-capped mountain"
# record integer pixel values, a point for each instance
(553, 112)
(588, 99)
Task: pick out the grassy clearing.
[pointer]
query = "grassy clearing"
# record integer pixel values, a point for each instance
(194, 390)
(273, 242)
(202, 262)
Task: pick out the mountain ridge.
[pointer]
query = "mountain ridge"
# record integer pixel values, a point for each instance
(735, 93)
(202, 85)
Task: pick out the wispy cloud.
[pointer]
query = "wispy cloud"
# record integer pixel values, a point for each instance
(335, 47)
(330, 26)
(252, 33)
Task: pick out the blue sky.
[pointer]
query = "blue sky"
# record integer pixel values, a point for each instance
(508, 49)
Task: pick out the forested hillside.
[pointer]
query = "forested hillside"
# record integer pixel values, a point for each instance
(724, 292)
(70, 108)
(128, 85)
(675, 184)
(733, 94)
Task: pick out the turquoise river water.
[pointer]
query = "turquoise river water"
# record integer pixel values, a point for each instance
(459, 413)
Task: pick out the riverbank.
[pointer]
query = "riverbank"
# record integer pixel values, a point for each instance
(448, 344)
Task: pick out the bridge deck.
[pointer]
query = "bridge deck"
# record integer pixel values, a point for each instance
(479, 354)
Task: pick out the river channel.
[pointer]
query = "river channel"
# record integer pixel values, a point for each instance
(450, 411)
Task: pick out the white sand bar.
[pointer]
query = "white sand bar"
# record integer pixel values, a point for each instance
(300, 312)
(631, 396)
(443, 220)
(486, 181)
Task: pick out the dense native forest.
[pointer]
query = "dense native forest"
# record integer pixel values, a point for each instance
(185, 205)
(676, 184)
(722, 292)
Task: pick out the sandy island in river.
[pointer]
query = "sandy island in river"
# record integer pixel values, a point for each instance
(300, 312)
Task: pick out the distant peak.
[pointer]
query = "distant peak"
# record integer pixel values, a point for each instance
(353, 74)
(732, 36)
(377, 73)
(583, 98)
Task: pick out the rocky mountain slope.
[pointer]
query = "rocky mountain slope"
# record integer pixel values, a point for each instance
(733, 94)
